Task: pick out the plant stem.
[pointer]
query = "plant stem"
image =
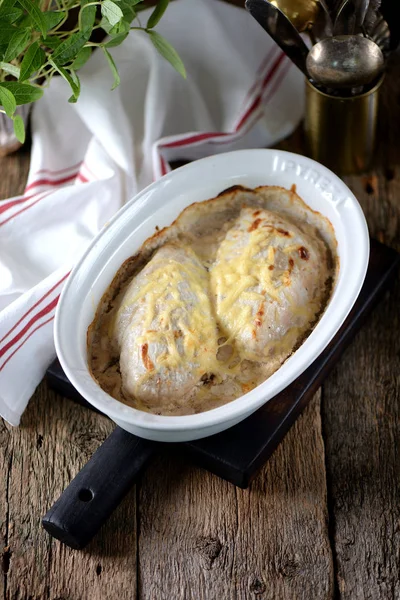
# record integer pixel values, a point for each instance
(83, 8)
(63, 34)
(61, 23)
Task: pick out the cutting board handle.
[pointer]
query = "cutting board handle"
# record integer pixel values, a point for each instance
(98, 488)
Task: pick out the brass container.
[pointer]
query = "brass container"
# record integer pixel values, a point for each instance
(340, 132)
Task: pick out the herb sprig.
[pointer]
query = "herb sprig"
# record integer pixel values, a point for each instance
(37, 40)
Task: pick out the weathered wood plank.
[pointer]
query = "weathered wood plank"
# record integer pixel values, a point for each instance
(203, 538)
(13, 174)
(55, 439)
(5, 471)
(361, 408)
(362, 434)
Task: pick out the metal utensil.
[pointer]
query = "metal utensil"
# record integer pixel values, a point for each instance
(328, 15)
(372, 13)
(361, 11)
(350, 17)
(345, 62)
(282, 31)
(345, 20)
(322, 26)
(379, 33)
(301, 14)
(305, 15)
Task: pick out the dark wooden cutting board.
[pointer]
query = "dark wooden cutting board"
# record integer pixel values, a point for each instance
(235, 455)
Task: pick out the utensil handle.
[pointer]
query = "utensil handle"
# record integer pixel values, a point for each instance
(345, 21)
(281, 29)
(98, 488)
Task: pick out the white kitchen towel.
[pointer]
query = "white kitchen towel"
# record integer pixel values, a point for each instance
(88, 159)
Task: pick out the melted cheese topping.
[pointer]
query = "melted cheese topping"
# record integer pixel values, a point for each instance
(176, 322)
(253, 270)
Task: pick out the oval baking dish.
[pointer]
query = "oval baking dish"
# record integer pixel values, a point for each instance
(159, 205)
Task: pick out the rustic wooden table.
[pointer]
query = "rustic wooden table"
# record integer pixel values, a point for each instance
(321, 521)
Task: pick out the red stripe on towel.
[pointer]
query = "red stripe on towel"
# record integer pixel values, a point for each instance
(28, 312)
(20, 346)
(25, 329)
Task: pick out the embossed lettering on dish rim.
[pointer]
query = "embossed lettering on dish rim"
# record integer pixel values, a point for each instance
(314, 176)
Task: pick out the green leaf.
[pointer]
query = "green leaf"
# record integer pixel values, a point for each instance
(17, 44)
(32, 61)
(70, 78)
(7, 101)
(8, 12)
(157, 13)
(52, 18)
(6, 5)
(6, 33)
(81, 58)
(11, 15)
(22, 92)
(34, 11)
(116, 41)
(11, 69)
(167, 51)
(77, 87)
(127, 10)
(68, 49)
(122, 27)
(25, 22)
(113, 68)
(52, 42)
(19, 128)
(87, 15)
(111, 11)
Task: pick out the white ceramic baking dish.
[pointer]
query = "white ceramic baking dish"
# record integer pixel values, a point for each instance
(158, 205)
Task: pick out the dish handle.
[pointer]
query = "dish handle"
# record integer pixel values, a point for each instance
(98, 488)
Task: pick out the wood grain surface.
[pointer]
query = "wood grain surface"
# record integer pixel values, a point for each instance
(321, 521)
(361, 401)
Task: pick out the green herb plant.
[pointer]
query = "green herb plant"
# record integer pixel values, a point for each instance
(39, 38)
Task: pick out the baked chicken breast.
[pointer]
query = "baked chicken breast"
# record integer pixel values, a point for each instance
(267, 282)
(165, 328)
